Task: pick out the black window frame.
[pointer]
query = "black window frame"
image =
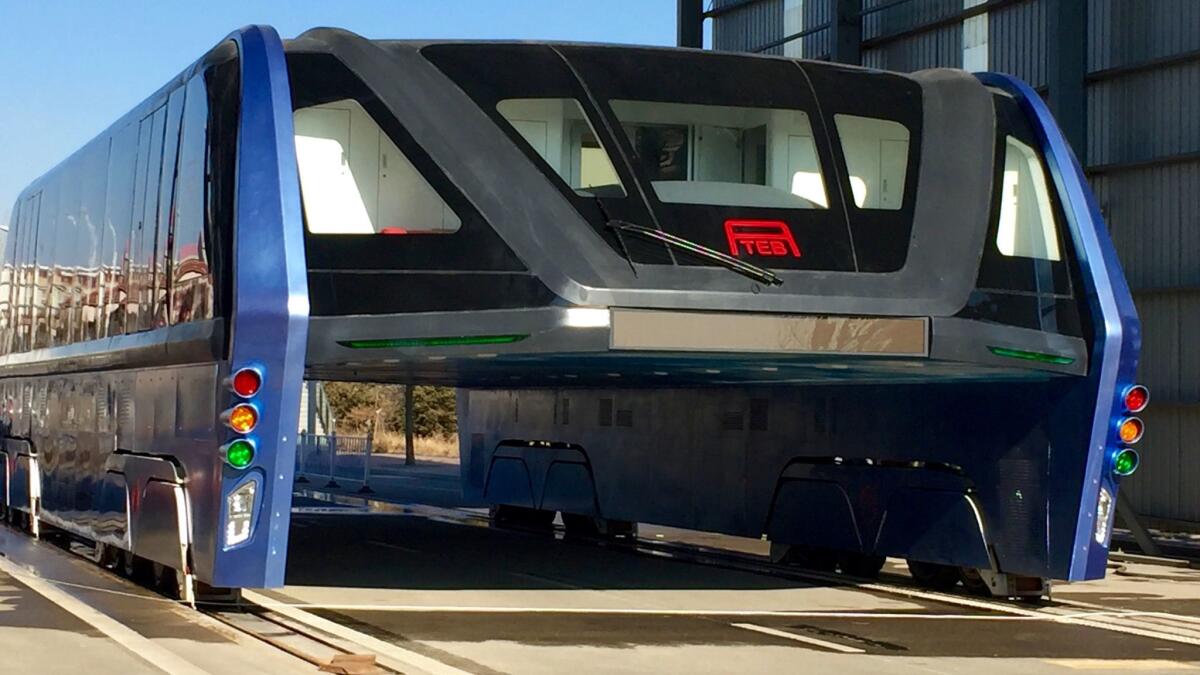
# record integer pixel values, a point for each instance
(475, 246)
(1009, 290)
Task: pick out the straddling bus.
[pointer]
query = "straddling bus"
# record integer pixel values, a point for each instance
(860, 313)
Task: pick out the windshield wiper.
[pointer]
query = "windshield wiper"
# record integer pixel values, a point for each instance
(759, 274)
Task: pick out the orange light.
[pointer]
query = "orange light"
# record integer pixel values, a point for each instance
(1130, 430)
(1136, 398)
(242, 418)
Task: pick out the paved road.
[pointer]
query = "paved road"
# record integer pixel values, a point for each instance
(38, 636)
(493, 601)
(72, 617)
(435, 582)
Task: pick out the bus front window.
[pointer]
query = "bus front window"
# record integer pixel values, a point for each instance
(561, 135)
(725, 155)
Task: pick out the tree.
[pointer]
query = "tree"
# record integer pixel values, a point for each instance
(356, 404)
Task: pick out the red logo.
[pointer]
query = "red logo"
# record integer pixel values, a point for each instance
(760, 237)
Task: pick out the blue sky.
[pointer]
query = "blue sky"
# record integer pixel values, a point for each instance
(69, 68)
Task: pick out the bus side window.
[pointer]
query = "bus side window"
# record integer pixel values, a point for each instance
(8, 279)
(43, 264)
(156, 249)
(1026, 227)
(354, 180)
(26, 272)
(143, 247)
(86, 292)
(59, 264)
(130, 252)
(118, 221)
(190, 272)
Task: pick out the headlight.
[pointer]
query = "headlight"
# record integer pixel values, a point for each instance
(1103, 511)
(239, 513)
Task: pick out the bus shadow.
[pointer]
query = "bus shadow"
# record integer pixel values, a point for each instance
(415, 552)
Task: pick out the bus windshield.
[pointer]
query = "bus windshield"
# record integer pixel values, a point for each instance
(691, 154)
(727, 152)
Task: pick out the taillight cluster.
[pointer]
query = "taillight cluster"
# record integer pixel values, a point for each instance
(1130, 429)
(242, 418)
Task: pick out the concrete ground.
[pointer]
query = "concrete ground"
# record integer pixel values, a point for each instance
(60, 613)
(437, 582)
(38, 636)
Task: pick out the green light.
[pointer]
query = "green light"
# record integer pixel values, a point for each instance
(448, 341)
(239, 453)
(1126, 462)
(1032, 356)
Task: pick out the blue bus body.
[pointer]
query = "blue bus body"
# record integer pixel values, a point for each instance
(920, 426)
(117, 439)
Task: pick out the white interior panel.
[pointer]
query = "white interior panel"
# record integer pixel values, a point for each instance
(356, 181)
(560, 133)
(876, 154)
(1026, 226)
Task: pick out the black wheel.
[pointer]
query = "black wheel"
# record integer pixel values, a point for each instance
(578, 525)
(625, 529)
(137, 569)
(933, 575)
(861, 565)
(810, 557)
(217, 597)
(520, 517)
(166, 581)
(106, 556)
(973, 582)
(126, 567)
(593, 527)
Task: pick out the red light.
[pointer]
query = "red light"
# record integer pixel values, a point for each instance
(393, 231)
(1136, 398)
(246, 382)
(772, 238)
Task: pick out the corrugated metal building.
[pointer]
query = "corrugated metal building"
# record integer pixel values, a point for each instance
(1123, 77)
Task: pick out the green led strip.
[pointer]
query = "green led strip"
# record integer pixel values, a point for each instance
(447, 341)
(1032, 356)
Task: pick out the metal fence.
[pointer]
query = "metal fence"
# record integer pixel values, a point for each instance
(323, 459)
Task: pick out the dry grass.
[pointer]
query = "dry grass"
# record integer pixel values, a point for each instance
(423, 446)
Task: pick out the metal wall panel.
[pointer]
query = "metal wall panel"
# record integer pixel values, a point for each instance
(904, 16)
(1017, 41)
(1153, 214)
(1164, 486)
(1159, 366)
(1144, 115)
(817, 13)
(1125, 32)
(1153, 211)
(941, 48)
(748, 26)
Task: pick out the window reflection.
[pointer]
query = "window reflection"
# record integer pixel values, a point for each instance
(85, 257)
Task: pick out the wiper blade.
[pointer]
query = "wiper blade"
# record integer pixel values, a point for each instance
(759, 274)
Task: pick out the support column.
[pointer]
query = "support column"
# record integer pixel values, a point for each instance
(1066, 70)
(846, 33)
(409, 452)
(690, 24)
